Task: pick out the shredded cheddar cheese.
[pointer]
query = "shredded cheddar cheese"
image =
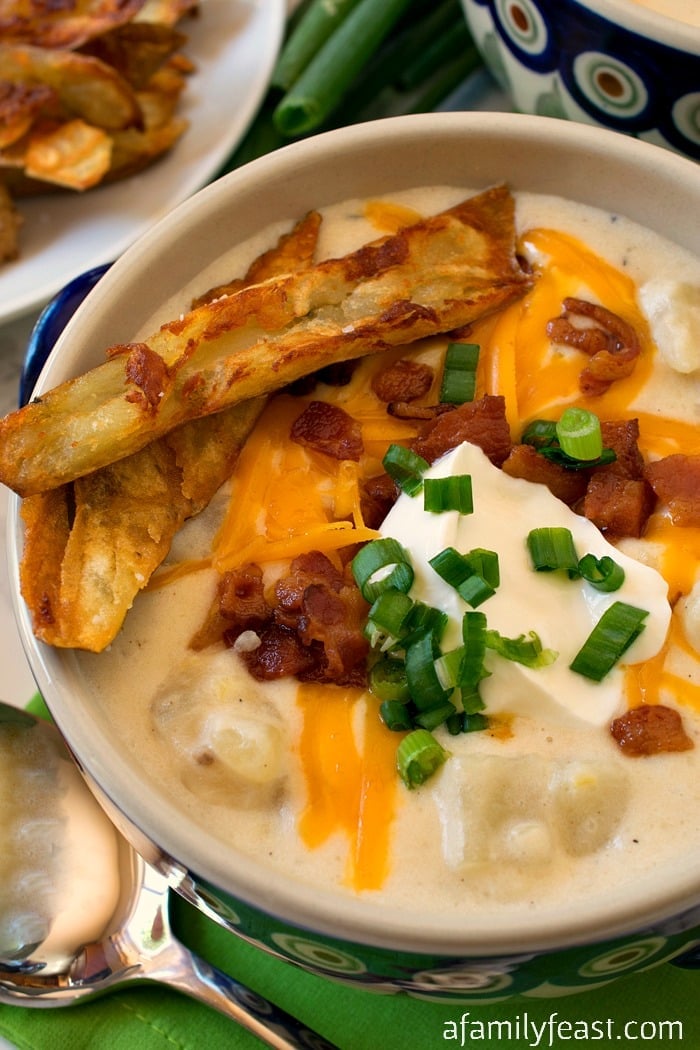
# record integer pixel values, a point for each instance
(351, 784)
(287, 499)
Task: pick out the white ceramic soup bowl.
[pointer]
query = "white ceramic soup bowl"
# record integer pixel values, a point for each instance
(341, 936)
(630, 65)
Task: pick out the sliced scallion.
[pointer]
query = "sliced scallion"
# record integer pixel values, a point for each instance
(474, 723)
(385, 553)
(418, 757)
(602, 573)
(540, 433)
(615, 631)
(406, 468)
(424, 683)
(579, 434)
(461, 572)
(462, 722)
(484, 563)
(387, 680)
(386, 618)
(432, 717)
(459, 374)
(395, 716)
(451, 493)
(422, 619)
(525, 649)
(552, 549)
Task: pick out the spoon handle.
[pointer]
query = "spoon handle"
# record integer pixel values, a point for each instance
(181, 969)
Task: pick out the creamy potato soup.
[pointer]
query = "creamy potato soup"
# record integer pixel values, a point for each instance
(541, 802)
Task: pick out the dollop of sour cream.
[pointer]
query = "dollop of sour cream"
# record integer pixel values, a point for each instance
(561, 611)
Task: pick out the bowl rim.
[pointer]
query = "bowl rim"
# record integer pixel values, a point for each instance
(356, 921)
(638, 18)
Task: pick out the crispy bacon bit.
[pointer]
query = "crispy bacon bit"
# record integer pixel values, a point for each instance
(148, 371)
(525, 462)
(328, 428)
(622, 436)
(404, 380)
(407, 410)
(611, 343)
(650, 729)
(280, 653)
(618, 506)
(328, 612)
(377, 497)
(676, 482)
(481, 422)
(239, 606)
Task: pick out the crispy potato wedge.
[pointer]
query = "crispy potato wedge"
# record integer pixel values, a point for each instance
(435, 276)
(165, 12)
(10, 225)
(64, 25)
(90, 547)
(293, 251)
(134, 150)
(137, 51)
(75, 155)
(20, 105)
(84, 87)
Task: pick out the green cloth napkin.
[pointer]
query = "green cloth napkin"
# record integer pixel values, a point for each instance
(149, 1017)
(662, 1005)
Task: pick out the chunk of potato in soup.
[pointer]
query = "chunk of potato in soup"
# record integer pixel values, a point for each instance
(542, 806)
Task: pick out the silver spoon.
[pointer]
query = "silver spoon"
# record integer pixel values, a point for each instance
(137, 942)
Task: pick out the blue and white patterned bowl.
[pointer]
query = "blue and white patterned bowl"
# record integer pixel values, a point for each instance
(614, 63)
(453, 957)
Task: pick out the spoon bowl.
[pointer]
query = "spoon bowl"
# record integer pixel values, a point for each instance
(137, 942)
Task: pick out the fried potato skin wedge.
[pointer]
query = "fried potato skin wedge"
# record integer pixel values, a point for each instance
(65, 25)
(435, 276)
(92, 545)
(84, 86)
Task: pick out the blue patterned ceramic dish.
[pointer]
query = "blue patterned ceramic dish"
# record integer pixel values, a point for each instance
(614, 63)
(346, 938)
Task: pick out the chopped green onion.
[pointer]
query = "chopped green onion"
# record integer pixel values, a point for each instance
(451, 493)
(615, 631)
(395, 716)
(386, 618)
(540, 433)
(459, 374)
(602, 573)
(375, 556)
(474, 723)
(552, 549)
(462, 722)
(387, 681)
(458, 570)
(579, 434)
(422, 619)
(421, 673)
(432, 717)
(471, 698)
(419, 755)
(475, 590)
(448, 667)
(474, 639)
(406, 468)
(484, 563)
(526, 650)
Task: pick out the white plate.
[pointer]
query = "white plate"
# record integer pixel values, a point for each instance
(234, 44)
